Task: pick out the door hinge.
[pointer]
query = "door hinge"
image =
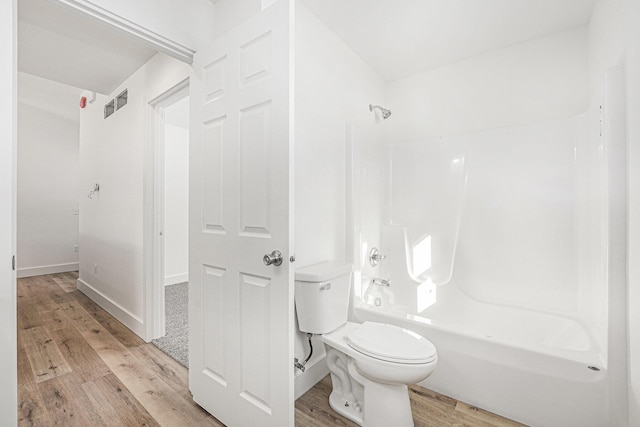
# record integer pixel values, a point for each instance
(13, 263)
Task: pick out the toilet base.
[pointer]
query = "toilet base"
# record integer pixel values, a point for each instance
(346, 409)
(367, 403)
(384, 404)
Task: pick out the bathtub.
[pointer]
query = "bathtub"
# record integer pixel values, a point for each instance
(532, 367)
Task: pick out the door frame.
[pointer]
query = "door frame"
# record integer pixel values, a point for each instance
(9, 107)
(8, 211)
(153, 216)
(8, 146)
(151, 38)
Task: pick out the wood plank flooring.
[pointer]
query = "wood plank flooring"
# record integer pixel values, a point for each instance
(78, 366)
(430, 409)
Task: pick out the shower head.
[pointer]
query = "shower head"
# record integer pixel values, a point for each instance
(385, 113)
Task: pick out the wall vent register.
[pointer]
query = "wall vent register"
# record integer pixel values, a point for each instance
(109, 108)
(121, 99)
(116, 103)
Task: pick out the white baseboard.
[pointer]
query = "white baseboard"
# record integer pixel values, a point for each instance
(176, 278)
(46, 269)
(315, 372)
(116, 310)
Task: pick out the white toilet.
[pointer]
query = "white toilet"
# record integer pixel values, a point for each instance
(370, 363)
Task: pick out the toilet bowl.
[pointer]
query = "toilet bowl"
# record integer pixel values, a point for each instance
(370, 373)
(371, 363)
(386, 353)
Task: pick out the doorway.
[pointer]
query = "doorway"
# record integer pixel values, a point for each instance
(262, 122)
(171, 221)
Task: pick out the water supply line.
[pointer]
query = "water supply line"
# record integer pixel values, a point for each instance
(299, 365)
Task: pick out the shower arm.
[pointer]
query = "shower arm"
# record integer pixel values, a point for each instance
(385, 112)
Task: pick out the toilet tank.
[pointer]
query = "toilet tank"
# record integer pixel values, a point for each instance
(322, 296)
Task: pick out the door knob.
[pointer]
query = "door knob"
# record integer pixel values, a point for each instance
(274, 258)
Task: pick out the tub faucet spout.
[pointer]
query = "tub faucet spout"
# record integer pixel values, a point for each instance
(382, 282)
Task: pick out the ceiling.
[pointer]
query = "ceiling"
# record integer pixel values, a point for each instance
(57, 44)
(398, 38)
(37, 92)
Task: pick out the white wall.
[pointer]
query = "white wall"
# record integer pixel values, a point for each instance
(48, 138)
(614, 39)
(8, 137)
(229, 13)
(176, 201)
(111, 224)
(536, 80)
(632, 14)
(333, 88)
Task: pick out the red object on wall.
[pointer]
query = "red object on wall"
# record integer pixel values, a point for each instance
(83, 102)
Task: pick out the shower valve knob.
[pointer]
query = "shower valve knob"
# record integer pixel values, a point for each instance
(274, 258)
(375, 257)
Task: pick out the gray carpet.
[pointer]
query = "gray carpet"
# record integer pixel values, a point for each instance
(176, 342)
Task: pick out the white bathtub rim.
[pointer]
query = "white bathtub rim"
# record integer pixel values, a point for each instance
(588, 358)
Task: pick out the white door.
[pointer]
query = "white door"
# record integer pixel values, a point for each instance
(241, 310)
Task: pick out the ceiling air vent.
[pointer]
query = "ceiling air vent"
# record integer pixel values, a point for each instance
(121, 100)
(109, 108)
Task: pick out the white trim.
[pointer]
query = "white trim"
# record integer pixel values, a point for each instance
(175, 279)
(128, 319)
(8, 179)
(312, 375)
(153, 221)
(150, 38)
(172, 95)
(47, 269)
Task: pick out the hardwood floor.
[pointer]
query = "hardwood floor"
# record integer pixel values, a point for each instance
(430, 409)
(78, 366)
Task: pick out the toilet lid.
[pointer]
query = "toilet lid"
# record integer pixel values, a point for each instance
(391, 343)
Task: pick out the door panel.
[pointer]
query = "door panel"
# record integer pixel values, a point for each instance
(212, 156)
(241, 311)
(255, 124)
(213, 353)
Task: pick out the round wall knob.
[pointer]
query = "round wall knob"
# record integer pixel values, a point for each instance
(274, 258)
(375, 257)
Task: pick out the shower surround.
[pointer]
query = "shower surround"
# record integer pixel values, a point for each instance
(496, 247)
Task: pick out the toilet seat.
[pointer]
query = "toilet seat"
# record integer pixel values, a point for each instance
(391, 343)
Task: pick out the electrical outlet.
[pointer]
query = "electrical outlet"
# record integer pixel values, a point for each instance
(75, 248)
(95, 268)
